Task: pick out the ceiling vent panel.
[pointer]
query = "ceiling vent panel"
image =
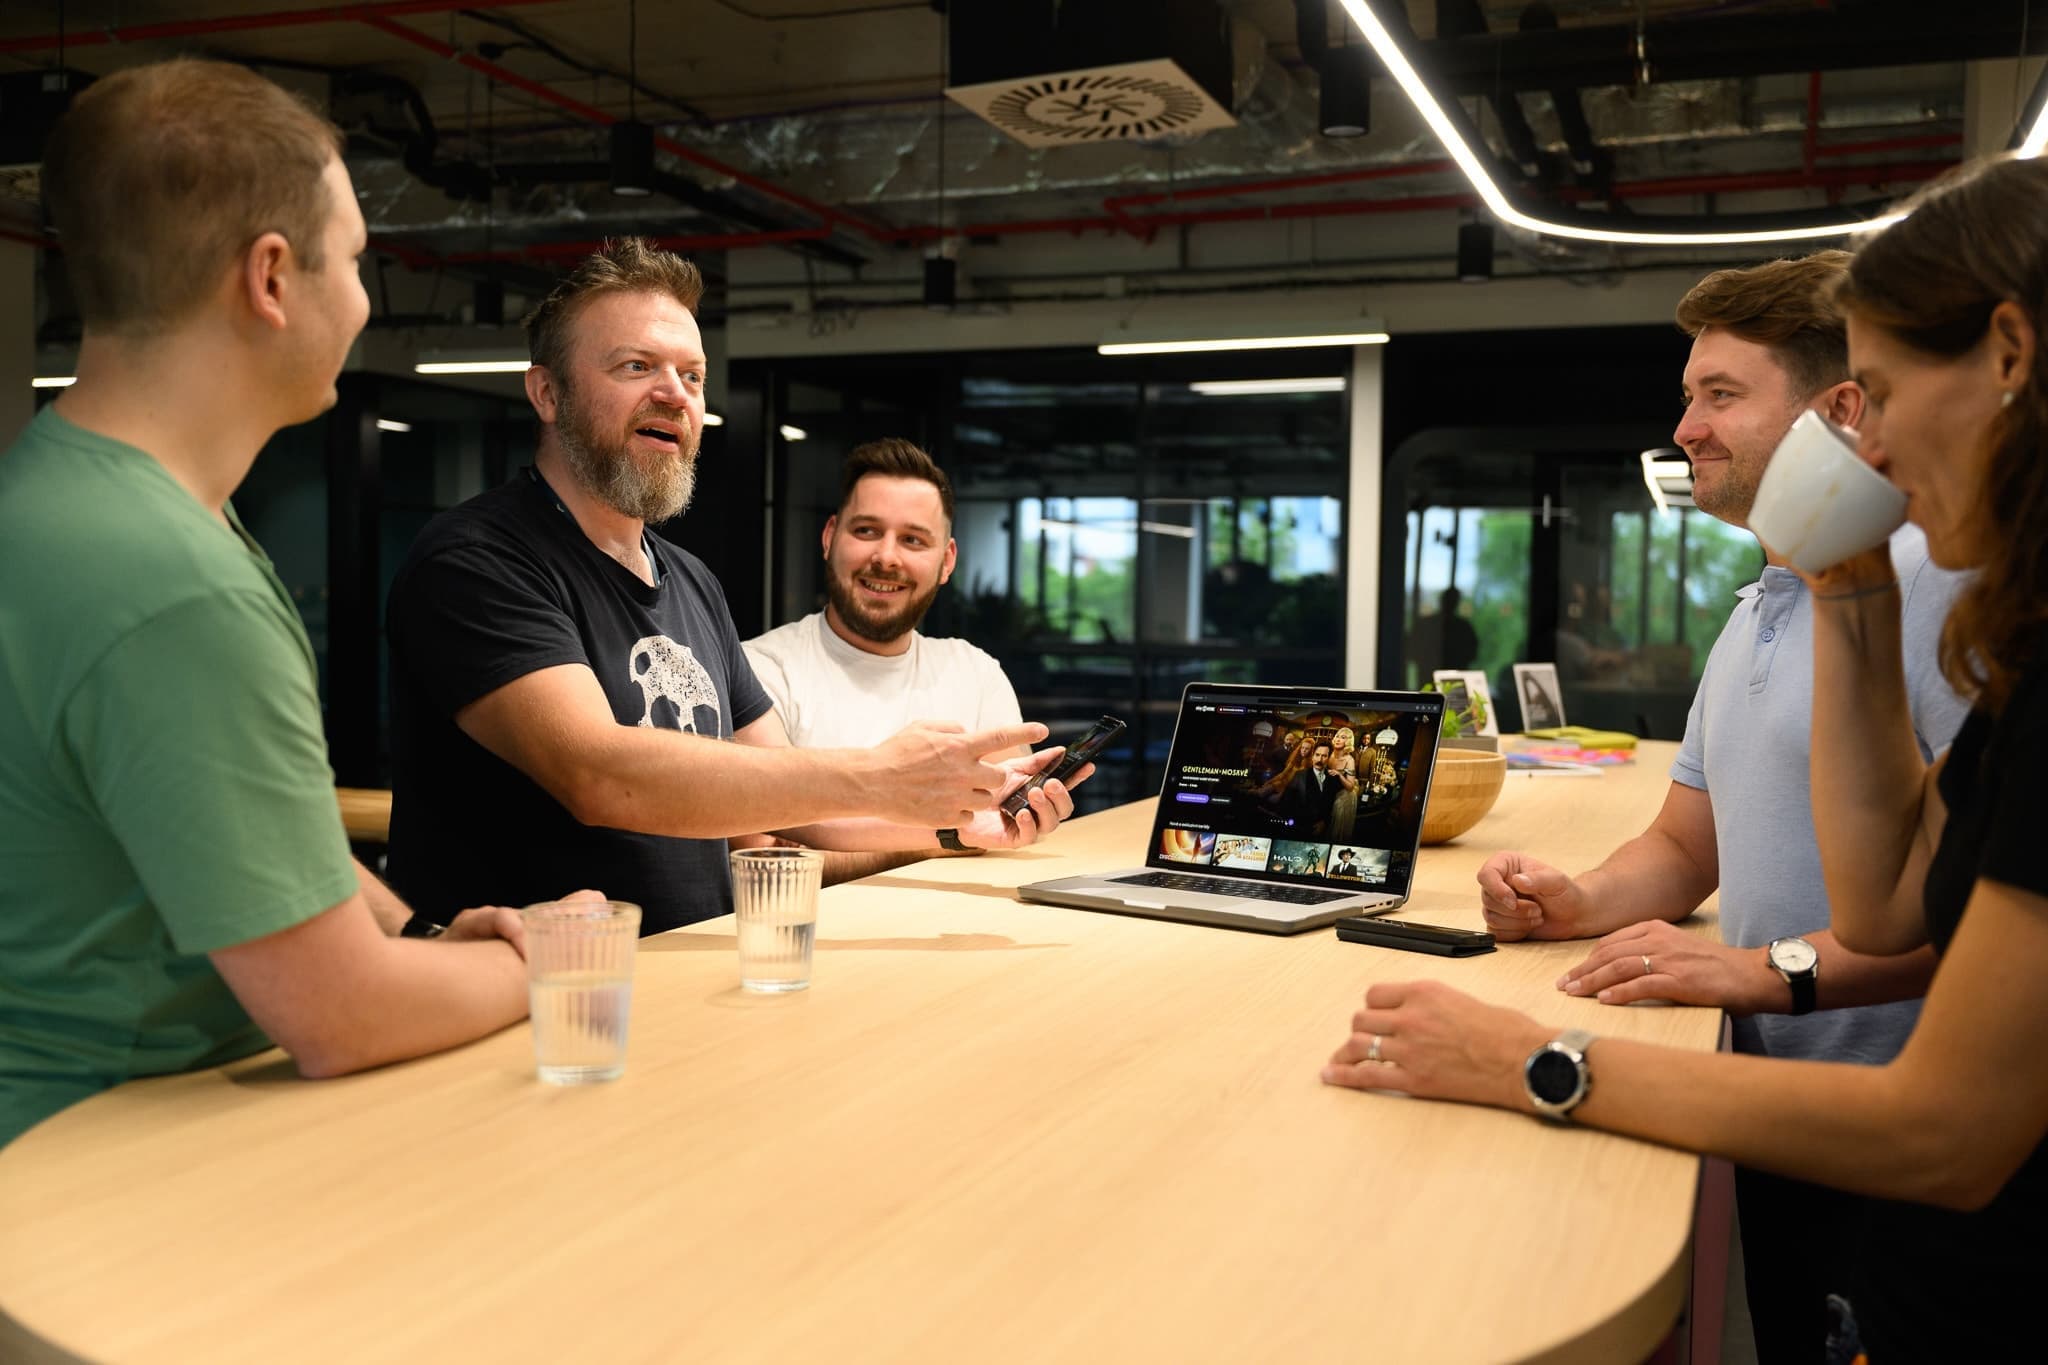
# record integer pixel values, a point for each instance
(1061, 76)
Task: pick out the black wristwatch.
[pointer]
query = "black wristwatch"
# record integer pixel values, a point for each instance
(419, 926)
(1556, 1075)
(1799, 963)
(949, 839)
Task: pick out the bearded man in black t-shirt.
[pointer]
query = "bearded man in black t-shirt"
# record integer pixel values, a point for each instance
(564, 684)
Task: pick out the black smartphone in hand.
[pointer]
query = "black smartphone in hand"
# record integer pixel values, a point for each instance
(1414, 938)
(1079, 754)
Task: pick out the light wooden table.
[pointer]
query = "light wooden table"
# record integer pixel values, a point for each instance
(990, 1131)
(365, 813)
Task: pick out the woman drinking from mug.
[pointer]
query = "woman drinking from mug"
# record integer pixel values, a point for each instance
(1946, 312)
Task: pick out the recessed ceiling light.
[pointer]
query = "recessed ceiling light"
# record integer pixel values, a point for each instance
(391, 424)
(712, 419)
(53, 381)
(1117, 344)
(472, 367)
(1231, 388)
(790, 433)
(1659, 469)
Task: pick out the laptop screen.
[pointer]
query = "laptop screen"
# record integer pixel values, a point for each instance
(1320, 787)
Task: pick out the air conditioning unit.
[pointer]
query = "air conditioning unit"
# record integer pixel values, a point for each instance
(1062, 75)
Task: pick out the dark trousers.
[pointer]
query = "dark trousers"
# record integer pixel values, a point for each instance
(1799, 1245)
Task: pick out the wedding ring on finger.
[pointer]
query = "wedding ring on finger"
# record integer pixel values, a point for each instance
(1372, 1049)
(1646, 966)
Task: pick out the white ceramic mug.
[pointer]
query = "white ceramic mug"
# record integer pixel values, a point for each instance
(1818, 503)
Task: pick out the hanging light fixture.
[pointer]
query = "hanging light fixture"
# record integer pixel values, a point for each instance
(632, 141)
(941, 281)
(632, 158)
(1346, 101)
(1475, 252)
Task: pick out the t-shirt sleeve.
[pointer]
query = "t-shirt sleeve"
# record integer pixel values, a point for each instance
(772, 676)
(1690, 767)
(199, 736)
(2018, 751)
(1926, 596)
(465, 619)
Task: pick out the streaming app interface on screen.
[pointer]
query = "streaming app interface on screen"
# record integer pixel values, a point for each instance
(1300, 791)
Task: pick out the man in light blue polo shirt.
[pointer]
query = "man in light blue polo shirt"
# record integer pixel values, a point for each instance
(1767, 345)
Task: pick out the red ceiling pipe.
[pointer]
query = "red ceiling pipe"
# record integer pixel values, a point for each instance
(412, 257)
(601, 118)
(925, 234)
(1834, 177)
(380, 16)
(1297, 182)
(240, 23)
(1919, 142)
(546, 251)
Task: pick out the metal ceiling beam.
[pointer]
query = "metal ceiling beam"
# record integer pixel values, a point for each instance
(1846, 37)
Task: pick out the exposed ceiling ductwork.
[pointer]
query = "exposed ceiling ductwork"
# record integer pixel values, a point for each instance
(483, 140)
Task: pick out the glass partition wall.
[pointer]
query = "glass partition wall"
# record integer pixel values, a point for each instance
(1125, 526)
(1562, 554)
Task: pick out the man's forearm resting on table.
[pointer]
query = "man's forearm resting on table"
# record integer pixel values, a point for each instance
(390, 912)
(341, 996)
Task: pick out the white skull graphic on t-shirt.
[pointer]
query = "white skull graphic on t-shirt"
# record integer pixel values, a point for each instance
(667, 671)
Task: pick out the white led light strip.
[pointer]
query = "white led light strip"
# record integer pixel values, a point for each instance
(1411, 83)
(1253, 343)
(2036, 140)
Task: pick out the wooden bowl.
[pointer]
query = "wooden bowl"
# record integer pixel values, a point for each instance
(1466, 785)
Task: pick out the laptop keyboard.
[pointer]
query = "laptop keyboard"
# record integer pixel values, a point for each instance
(1230, 886)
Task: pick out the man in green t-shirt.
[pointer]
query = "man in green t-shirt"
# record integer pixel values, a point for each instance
(175, 886)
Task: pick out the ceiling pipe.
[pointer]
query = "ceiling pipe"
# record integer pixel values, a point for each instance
(241, 23)
(1592, 163)
(599, 117)
(382, 16)
(1832, 177)
(1456, 19)
(1837, 38)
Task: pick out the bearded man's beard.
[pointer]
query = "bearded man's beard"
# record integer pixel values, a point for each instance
(651, 490)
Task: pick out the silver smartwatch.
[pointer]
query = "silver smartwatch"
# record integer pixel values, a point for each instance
(1556, 1075)
(1799, 963)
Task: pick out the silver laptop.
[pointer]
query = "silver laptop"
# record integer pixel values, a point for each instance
(1284, 809)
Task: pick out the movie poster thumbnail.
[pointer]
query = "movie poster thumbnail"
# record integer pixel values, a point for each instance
(1350, 863)
(1187, 845)
(1242, 850)
(1293, 858)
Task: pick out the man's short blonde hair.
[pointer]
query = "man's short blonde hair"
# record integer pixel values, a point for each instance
(161, 176)
(625, 266)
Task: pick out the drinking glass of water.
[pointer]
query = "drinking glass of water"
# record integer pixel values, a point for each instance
(579, 970)
(775, 900)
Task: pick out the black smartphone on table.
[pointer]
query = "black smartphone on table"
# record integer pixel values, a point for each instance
(1079, 753)
(1414, 938)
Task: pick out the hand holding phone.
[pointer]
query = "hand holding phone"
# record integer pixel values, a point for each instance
(1414, 938)
(1079, 754)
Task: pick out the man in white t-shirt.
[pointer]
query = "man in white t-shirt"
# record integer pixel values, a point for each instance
(860, 670)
